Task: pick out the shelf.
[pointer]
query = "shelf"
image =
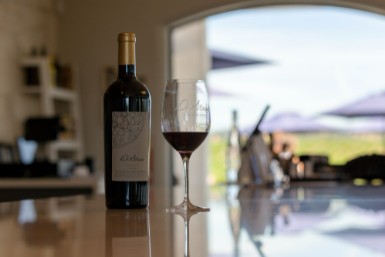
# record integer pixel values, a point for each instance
(48, 182)
(40, 77)
(12, 189)
(55, 93)
(64, 145)
(62, 94)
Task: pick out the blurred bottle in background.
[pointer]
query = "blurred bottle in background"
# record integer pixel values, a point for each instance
(233, 150)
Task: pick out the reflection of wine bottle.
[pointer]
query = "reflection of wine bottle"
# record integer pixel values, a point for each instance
(127, 115)
(234, 214)
(127, 233)
(233, 151)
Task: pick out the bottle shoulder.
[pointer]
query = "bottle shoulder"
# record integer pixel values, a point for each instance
(128, 87)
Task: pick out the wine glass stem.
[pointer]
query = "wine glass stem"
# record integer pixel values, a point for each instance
(186, 182)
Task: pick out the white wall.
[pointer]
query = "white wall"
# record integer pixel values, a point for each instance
(23, 25)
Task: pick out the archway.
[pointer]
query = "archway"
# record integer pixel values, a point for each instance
(199, 27)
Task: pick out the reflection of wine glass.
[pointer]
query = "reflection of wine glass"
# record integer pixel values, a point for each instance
(185, 125)
(186, 221)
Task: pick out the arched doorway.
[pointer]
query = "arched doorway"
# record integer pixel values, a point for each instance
(333, 74)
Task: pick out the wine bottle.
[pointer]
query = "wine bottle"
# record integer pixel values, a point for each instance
(127, 233)
(127, 126)
(233, 151)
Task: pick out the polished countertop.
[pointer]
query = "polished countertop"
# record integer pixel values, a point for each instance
(306, 219)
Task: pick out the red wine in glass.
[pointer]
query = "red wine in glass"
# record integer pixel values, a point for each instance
(185, 142)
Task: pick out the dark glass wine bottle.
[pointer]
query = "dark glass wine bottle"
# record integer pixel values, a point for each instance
(127, 126)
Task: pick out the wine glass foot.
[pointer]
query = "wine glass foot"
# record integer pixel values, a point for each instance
(186, 207)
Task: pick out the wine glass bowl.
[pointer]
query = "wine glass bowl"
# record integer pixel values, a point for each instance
(185, 125)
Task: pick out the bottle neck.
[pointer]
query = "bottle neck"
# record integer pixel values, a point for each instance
(127, 70)
(235, 119)
(126, 56)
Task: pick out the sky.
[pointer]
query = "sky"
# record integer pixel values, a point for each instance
(320, 58)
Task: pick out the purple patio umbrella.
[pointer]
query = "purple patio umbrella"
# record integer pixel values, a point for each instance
(221, 60)
(291, 122)
(369, 106)
(373, 105)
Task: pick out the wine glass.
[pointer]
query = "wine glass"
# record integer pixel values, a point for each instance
(185, 125)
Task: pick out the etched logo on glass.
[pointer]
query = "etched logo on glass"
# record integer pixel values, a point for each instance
(126, 127)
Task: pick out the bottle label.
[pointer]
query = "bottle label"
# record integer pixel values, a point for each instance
(130, 146)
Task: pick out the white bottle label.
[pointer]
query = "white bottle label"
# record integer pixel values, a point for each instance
(130, 146)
